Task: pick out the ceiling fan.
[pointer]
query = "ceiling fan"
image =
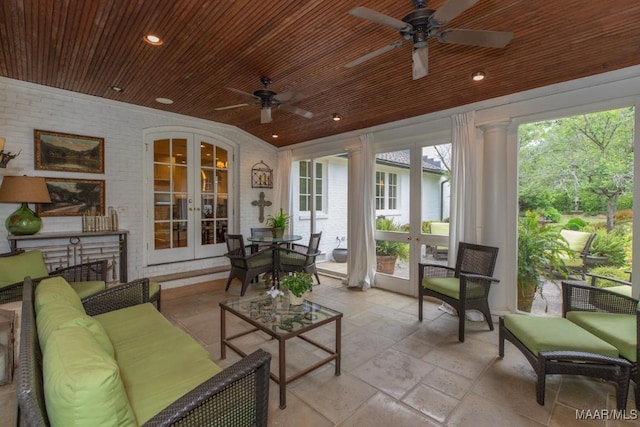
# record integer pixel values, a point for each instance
(266, 99)
(423, 24)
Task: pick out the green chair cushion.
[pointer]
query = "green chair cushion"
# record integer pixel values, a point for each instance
(82, 384)
(60, 315)
(86, 289)
(292, 258)
(555, 334)
(577, 240)
(16, 267)
(53, 289)
(260, 260)
(618, 330)
(622, 290)
(154, 287)
(450, 286)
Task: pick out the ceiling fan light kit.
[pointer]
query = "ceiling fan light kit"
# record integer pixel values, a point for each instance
(422, 24)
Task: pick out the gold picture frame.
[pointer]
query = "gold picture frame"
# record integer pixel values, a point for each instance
(55, 151)
(73, 197)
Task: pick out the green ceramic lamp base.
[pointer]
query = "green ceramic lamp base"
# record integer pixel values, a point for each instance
(24, 221)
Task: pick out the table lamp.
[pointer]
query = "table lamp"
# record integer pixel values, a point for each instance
(23, 190)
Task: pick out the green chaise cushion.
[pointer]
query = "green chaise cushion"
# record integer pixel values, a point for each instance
(82, 385)
(60, 315)
(56, 288)
(618, 330)
(450, 286)
(555, 334)
(86, 289)
(15, 268)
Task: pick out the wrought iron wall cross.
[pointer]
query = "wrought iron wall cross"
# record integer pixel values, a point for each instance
(261, 203)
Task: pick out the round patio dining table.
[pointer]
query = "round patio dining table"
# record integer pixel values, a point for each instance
(275, 242)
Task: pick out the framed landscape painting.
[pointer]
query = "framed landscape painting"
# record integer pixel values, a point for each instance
(70, 153)
(73, 197)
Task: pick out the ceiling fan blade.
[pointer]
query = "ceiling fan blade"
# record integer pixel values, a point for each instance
(450, 10)
(230, 106)
(287, 96)
(265, 115)
(296, 110)
(497, 39)
(372, 15)
(420, 62)
(241, 92)
(375, 53)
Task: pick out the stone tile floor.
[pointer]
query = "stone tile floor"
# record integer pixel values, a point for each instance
(396, 371)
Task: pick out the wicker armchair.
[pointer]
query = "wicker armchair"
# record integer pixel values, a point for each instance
(246, 267)
(609, 315)
(300, 258)
(94, 271)
(465, 287)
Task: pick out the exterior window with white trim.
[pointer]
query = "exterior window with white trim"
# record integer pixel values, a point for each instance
(305, 186)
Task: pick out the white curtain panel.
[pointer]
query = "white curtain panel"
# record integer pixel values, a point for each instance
(282, 193)
(361, 214)
(463, 226)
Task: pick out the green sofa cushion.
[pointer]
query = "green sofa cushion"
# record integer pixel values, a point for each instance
(154, 287)
(555, 334)
(618, 330)
(60, 315)
(15, 268)
(450, 286)
(158, 361)
(56, 288)
(170, 381)
(86, 289)
(82, 385)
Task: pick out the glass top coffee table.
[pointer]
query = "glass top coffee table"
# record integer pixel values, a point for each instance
(282, 321)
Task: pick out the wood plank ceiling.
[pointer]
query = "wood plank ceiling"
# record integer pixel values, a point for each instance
(302, 45)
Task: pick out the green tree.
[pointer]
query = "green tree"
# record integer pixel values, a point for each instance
(589, 154)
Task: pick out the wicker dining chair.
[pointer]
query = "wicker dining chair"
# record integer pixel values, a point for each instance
(465, 287)
(245, 267)
(300, 258)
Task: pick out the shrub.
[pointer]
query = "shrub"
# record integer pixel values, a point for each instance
(623, 216)
(611, 245)
(608, 271)
(576, 224)
(549, 213)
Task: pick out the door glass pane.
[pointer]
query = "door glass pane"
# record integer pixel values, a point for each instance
(170, 183)
(435, 195)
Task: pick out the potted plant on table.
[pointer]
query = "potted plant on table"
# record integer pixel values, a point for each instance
(297, 285)
(540, 251)
(278, 222)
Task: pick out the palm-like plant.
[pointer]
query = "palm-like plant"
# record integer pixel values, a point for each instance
(539, 252)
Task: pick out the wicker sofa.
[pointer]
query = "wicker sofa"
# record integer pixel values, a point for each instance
(113, 359)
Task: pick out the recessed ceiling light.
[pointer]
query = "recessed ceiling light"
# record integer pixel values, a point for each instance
(165, 101)
(117, 89)
(274, 135)
(152, 39)
(478, 75)
(336, 117)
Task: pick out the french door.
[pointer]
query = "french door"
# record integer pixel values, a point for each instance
(411, 192)
(189, 187)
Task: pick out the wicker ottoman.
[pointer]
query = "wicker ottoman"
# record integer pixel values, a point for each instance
(555, 345)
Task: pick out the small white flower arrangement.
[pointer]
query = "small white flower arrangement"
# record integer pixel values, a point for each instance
(274, 292)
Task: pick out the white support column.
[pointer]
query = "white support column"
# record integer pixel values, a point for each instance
(494, 206)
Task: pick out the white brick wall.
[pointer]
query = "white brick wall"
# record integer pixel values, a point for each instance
(25, 107)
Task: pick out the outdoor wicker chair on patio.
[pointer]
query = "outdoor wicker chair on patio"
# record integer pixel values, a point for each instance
(300, 257)
(465, 287)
